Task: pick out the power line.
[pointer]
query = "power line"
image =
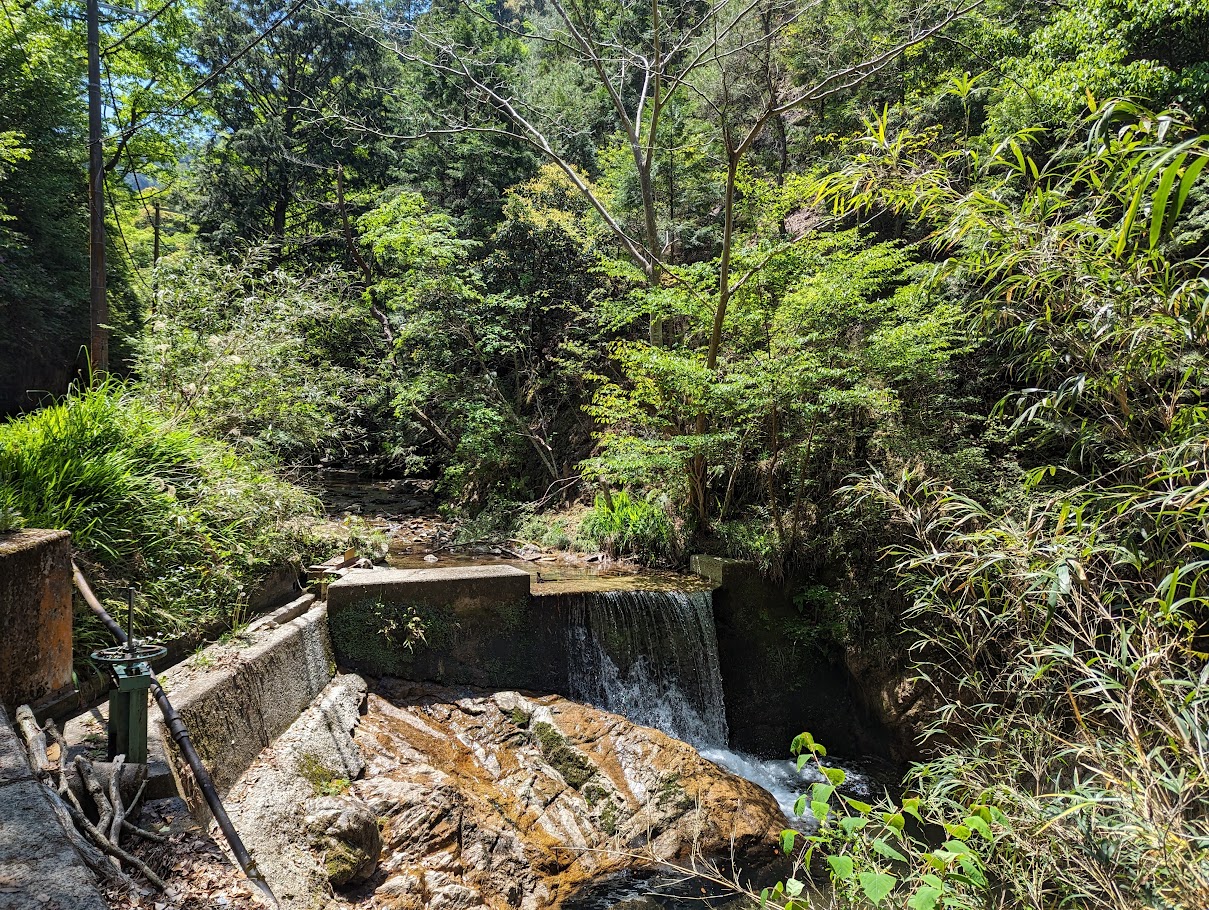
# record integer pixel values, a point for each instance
(138, 28)
(243, 52)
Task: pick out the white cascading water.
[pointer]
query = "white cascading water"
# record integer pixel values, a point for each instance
(652, 657)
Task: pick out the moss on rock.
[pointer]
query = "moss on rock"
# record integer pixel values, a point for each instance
(575, 769)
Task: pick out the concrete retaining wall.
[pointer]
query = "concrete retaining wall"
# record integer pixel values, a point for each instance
(235, 701)
(775, 688)
(35, 616)
(480, 627)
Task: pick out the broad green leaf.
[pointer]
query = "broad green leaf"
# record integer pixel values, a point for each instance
(793, 887)
(1186, 183)
(820, 810)
(1158, 205)
(799, 805)
(841, 867)
(877, 885)
(880, 846)
(788, 836)
(925, 898)
(853, 823)
(863, 808)
(835, 775)
(976, 824)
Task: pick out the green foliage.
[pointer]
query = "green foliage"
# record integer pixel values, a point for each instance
(1064, 633)
(297, 114)
(874, 854)
(246, 352)
(495, 378)
(623, 526)
(10, 519)
(153, 504)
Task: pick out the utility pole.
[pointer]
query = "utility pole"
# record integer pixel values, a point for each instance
(98, 303)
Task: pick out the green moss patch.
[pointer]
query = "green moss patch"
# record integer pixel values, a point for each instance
(575, 769)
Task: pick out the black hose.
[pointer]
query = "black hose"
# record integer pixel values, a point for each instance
(180, 735)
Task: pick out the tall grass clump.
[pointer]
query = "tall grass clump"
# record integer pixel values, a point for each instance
(186, 520)
(621, 525)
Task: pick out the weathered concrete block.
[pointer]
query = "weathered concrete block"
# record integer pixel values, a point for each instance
(464, 586)
(250, 697)
(35, 615)
(722, 571)
(480, 626)
(39, 868)
(775, 684)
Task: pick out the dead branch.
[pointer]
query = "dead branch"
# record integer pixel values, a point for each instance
(110, 849)
(96, 791)
(35, 741)
(115, 799)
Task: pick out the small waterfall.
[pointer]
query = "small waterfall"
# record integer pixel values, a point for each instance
(651, 656)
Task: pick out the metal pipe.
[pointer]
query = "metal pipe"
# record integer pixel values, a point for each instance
(180, 735)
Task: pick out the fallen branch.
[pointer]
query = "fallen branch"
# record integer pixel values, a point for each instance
(134, 829)
(94, 858)
(115, 799)
(111, 849)
(35, 741)
(96, 791)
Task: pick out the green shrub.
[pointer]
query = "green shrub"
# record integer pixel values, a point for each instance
(554, 530)
(150, 503)
(622, 526)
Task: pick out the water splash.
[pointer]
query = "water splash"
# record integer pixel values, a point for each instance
(651, 656)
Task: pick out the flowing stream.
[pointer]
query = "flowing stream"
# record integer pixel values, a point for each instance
(652, 657)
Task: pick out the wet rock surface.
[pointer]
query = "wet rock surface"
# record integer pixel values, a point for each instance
(496, 800)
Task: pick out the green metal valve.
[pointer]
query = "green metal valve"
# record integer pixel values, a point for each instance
(130, 673)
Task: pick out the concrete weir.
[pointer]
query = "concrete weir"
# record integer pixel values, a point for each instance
(477, 625)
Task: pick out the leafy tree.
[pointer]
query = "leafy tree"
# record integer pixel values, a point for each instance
(284, 109)
(43, 223)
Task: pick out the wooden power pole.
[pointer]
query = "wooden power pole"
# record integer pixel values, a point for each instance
(98, 308)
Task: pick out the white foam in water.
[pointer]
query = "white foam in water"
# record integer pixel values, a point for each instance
(652, 657)
(783, 780)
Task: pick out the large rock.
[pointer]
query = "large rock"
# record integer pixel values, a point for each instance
(346, 831)
(39, 867)
(270, 803)
(501, 800)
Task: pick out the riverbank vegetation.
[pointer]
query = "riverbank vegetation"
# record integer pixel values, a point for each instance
(905, 302)
(191, 522)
